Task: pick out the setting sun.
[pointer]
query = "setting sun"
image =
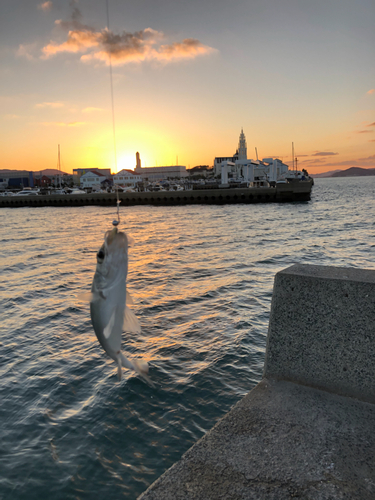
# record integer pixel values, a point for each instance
(126, 161)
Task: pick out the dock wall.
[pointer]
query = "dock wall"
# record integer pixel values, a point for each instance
(322, 330)
(298, 191)
(307, 429)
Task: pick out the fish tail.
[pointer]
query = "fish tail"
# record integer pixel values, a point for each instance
(138, 365)
(126, 362)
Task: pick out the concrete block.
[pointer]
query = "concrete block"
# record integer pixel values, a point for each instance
(322, 329)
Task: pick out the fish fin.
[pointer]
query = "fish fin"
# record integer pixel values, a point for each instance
(108, 329)
(119, 366)
(139, 366)
(129, 299)
(131, 323)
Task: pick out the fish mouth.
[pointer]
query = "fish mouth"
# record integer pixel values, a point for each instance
(110, 236)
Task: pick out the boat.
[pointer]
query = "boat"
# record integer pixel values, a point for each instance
(27, 192)
(75, 190)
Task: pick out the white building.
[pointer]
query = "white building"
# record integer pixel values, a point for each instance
(126, 178)
(240, 154)
(153, 174)
(240, 167)
(78, 172)
(92, 180)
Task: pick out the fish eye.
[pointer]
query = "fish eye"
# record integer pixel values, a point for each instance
(100, 254)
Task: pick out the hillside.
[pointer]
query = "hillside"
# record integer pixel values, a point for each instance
(325, 174)
(354, 172)
(49, 172)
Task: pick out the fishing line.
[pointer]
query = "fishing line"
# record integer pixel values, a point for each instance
(115, 222)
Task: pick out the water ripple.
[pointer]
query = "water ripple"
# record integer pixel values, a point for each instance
(201, 278)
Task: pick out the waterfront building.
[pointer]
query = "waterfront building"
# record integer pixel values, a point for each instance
(138, 160)
(239, 155)
(92, 179)
(16, 178)
(126, 178)
(242, 147)
(78, 172)
(153, 174)
(239, 166)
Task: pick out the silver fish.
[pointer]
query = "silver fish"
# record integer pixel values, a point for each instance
(108, 301)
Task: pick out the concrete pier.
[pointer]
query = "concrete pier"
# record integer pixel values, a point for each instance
(307, 429)
(295, 191)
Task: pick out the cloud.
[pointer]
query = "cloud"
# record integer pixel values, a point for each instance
(63, 124)
(123, 48)
(315, 162)
(365, 131)
(91, 110)
(26, 51)
(371, 124)
(372, 91)
(324, 153)
(45, 6)
(49, 105)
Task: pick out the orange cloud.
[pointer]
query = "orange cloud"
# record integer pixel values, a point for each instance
(49, 105)
(144, 45)
(78, 41)
(372, 91)
(45, 6)
(187, 49)
(63, 124)
(324, 153)
(91, 110)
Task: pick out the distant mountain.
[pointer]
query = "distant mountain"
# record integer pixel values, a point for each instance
(49, 172)
(355, 172)
(325, 174)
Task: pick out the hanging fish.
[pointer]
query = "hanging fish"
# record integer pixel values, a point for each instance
(110, 313)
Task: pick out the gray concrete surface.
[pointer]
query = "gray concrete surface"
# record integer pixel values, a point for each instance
(322, 329)
(281, 441)
(307, 430)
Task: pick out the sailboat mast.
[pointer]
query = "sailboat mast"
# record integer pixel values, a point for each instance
(293, 154)
(59, 164)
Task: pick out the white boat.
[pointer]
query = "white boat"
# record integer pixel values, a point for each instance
(75, 190)
(127, 189)
(27, 192)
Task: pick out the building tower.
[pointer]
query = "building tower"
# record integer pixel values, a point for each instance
(242, 147)
(138, 158)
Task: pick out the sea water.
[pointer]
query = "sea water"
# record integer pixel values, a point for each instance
(201, 278)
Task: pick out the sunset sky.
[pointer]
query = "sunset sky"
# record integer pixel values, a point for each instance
(187, 75)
